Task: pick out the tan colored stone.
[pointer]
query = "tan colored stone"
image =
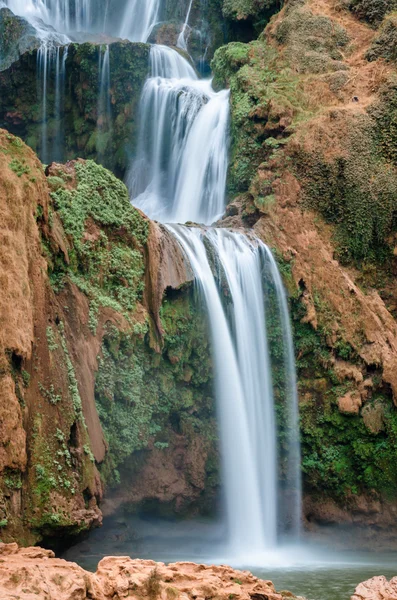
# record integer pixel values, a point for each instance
(377, 588)
(33, 574)
(350, 403)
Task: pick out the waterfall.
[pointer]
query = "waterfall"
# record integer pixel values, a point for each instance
(59, 109)
(131, 19)
(243, 379)
(180, 170)
(104, 120)
(139, 19)
(182, 38)
(51, 71)
(178, 175)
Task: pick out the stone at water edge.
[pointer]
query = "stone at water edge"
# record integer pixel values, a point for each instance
(35, 574)
(377, 588)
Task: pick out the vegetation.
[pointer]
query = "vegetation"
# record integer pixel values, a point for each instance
(108, 264)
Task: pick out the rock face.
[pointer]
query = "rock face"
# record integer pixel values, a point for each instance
(80, 129)
(17, 37)
(35, 573)
(97, 318)
(377, 588)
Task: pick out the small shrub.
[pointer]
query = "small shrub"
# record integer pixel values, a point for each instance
(152, 584)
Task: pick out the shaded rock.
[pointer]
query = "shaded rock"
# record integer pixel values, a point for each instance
(17, 36)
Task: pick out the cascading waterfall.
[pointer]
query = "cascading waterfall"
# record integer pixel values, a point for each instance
(243, 379)
(131, 19)
(181, 166)
(179, 175)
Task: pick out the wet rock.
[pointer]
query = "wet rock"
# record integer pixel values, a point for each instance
(17, 36)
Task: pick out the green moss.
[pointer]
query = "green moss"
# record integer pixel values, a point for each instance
(107, 265)
(372, 11)
(339, 454)
(19, 167)
(81, 136)
(256, 10)
(263, 90)
(385, 45)
(362, 207)
(143, 397)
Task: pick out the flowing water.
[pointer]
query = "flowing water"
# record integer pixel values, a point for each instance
(130, 19)
(180, 170)
(243, 379)
(104, 120)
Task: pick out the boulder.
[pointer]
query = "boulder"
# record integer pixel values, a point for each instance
(377, 588)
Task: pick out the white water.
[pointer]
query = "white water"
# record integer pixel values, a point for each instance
(243, 381)
(104, 120)
(180, 170)
(182, 36)
(139, 19)
(179, 175)
(131, 19)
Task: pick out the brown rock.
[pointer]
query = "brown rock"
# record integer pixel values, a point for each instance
(350, 403)
(374, 417)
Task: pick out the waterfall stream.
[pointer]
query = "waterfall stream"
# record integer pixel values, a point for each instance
(179, 175)
(243, 379)
(181, 166)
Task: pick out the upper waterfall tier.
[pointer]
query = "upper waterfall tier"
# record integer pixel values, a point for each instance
(130, 19)
(180, 170)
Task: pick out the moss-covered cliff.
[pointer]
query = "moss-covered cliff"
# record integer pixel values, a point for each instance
(78, 123)
(105, 368)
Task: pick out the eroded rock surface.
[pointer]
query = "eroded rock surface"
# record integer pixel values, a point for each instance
(377, 588)
(34, 573)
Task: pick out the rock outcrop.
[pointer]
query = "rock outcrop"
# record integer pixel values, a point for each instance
(34, 573)
(377, 588)
(97, 317)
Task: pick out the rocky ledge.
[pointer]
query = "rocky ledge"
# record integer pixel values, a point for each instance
(35, 573)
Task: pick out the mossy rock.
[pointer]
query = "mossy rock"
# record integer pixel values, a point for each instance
(17, 36)
(313, 42)
(372, 11)
(385, 45)
(81, 129)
